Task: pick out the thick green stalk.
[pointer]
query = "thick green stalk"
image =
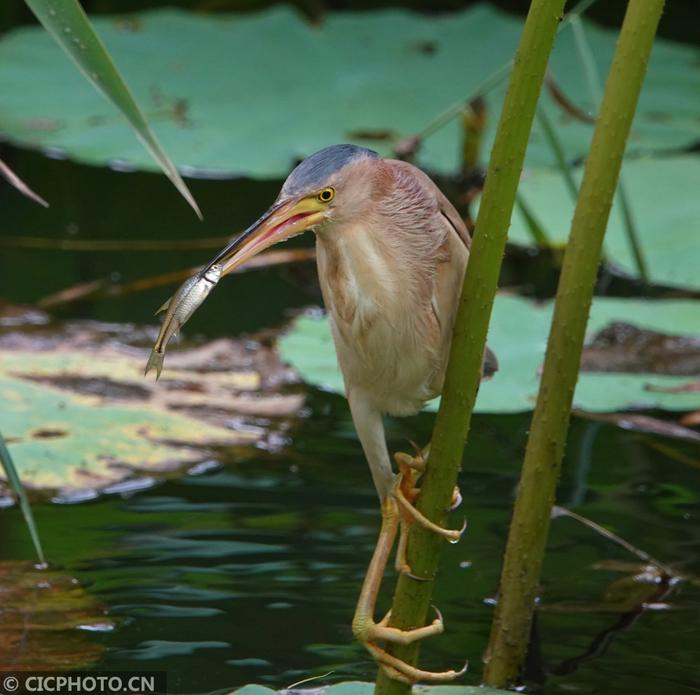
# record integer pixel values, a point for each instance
(412, 598)
(545, 447)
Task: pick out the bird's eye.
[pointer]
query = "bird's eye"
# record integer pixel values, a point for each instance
(326, 195)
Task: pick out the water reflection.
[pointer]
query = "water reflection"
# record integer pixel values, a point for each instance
(249, 572)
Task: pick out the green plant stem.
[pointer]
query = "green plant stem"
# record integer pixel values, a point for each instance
(594, 89)
(537, 231)
(492, 81)
(557, 148)
(15, 484)
(412, 598)
(631, 231)
(545, 447)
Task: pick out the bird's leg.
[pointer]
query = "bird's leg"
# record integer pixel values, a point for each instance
(406, 493)
(370, 429)
(363, 625)
(368, 633)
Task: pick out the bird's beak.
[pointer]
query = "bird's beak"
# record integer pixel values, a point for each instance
(282, 221)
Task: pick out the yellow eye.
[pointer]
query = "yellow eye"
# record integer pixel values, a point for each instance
(326, 195)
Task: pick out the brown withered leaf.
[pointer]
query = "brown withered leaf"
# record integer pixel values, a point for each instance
(622, 347)
(562, 100)
(105, 288)
(689, 387)
(691, 419)
(80, 417)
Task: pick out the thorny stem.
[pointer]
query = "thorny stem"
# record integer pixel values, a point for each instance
(545, 447)
(412, 598)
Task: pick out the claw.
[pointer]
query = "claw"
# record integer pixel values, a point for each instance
(452, 535)
(401, 671)
(368, 632)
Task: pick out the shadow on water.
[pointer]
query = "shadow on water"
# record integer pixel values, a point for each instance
(250, 570)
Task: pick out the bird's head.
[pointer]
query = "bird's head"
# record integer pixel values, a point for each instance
(327, 186)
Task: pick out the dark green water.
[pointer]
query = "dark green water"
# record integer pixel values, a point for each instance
(250, 571)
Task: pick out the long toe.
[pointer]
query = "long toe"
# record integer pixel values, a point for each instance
(452, 535)
(402, 671)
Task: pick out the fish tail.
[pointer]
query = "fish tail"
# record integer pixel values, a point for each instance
(155, 361)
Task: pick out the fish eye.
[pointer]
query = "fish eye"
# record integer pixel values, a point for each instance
(327, 194)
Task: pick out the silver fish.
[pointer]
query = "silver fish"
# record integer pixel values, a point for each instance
(179, 308)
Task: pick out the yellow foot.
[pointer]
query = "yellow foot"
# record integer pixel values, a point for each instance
(452, 535)
(401, 671)
(410, 470)
(368, 633)
(405, 493)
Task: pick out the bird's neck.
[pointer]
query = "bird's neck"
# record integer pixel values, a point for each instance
(359, 276)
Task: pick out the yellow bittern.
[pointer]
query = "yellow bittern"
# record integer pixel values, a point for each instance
(391, 253)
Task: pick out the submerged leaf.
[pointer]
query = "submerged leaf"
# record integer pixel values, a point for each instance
(48, 620)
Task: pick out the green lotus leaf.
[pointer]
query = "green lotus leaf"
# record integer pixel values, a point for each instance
(360, 688)
(247, 95)
(666, 210)
(518, 335)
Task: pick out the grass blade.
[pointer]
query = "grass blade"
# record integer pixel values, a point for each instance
(66, 21)
(16, 485)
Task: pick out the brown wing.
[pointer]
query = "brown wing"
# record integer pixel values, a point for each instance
(454, 218)
(447, 210)
(449, 281)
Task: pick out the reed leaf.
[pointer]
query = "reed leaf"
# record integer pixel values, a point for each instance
(16, 486)
(68, 24)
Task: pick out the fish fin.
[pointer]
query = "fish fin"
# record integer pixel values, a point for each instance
(155, 361)
(164, 306)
